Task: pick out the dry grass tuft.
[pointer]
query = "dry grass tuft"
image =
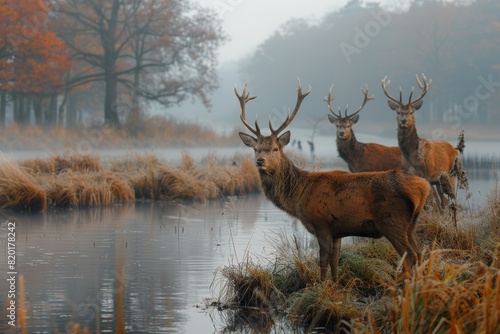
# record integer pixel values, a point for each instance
(94, 189)
(70, 160)
(246, 284)
(446, 297)
(153, 179)
(459, 171)
(61, 192)
(177, 183)
(462, 240)
(19, 190)
(323, 305)
(369, 265)
(296, 265)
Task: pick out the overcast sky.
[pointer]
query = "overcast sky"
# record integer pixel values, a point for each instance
(250, 22)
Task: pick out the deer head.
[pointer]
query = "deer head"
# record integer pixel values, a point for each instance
(268, 149)
(344, 124)
(405, 112)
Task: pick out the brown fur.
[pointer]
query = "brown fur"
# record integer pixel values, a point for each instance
(360, 157)
(428, 158)
(369, 157)
(422, 157)
(335, 204)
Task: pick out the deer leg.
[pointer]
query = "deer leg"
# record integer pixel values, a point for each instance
(442, 197)
(405, 250)
(334, 258)
(435, 199)
(324, 256)
(414, 246)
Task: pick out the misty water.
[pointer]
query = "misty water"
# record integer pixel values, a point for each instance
(151, 264)
(161, 255)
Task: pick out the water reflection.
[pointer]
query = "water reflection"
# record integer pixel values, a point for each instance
(143, 267)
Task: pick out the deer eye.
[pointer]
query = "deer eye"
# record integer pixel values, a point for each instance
(275, 149)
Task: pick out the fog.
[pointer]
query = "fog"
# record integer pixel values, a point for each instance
(455, 44)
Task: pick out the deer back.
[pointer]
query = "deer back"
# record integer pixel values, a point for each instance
(439, 156)
(346, 202)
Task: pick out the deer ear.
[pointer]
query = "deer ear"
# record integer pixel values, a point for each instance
(248, 140)
(284, 139)
(393, 105)
(332, 119)
(417, 105)
(355, 119)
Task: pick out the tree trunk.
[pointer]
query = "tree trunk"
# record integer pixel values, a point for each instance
(63, 109)
(134, 117)
(52, 109)
(15, 107)
(111, 78)
(27, 110)
(70, 109)
(110, 99)
(37, 107)
(3, 106)
(19, 109)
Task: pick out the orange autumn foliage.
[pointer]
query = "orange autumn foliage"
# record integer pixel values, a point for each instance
(32, 58)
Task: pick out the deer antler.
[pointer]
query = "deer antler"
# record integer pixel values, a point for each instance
(423, 86)
(244, 98)
(386, 84)
(289, 118)
(366, 99)
(329, 100)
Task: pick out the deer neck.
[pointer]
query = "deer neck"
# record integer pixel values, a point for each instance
(350, 149)
(285, 186)
(408, 141)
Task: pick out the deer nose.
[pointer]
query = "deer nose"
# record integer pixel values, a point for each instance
(260, 162)
(341, 133)
(403, 121)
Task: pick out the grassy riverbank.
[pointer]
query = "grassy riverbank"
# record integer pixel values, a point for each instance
(80, 180)
(455, 289)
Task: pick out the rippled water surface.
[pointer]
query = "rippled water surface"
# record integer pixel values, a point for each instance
(152, 264)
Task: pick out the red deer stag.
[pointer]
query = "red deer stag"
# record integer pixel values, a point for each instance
(422, 157)
(336, 204)
(360, 157)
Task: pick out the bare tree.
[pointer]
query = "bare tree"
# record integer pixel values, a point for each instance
(174, 55)
(125, 41)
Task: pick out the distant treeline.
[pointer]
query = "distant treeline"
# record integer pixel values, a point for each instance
(454, 44)
(483, 166)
